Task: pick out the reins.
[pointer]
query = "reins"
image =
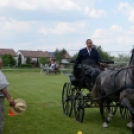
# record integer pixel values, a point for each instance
(130, 67)
(114, 92)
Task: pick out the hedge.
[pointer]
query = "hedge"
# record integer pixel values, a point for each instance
(25, 65)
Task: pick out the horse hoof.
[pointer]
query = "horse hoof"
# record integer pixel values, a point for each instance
(105, 125)
(108, 118)
(130, 124)
(110, 114)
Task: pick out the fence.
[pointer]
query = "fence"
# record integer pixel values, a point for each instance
(120, 57)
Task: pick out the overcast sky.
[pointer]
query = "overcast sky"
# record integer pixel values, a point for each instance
(50, 24)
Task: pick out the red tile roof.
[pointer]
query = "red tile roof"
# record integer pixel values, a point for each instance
(67, 56)
(38, 54)
(33, 54)
(7, 51)
(46, 54)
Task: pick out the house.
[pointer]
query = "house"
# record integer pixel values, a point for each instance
(9, 51)
(34, 55)
(66, 59)
(50, 56)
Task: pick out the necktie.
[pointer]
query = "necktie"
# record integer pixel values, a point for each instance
(89, 52)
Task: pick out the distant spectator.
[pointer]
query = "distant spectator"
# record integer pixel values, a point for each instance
(53, 65)
(56, 66)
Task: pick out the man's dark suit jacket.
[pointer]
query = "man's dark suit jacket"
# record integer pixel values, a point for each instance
(83, 55)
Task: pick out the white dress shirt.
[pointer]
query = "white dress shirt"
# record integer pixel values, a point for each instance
(3, 82)
(89, 51)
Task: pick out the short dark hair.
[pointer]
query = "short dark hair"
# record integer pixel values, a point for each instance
(88, 40)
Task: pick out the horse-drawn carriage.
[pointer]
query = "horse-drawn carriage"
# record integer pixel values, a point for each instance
(49, 70)
(74, 100)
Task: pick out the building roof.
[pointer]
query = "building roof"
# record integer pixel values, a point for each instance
(52, 55)
(7, 51)
(46, 54)
(33, 54)
(67, 56)
(38, 54)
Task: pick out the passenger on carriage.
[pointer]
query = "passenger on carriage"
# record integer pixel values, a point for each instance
(54, 65)
(89, 53)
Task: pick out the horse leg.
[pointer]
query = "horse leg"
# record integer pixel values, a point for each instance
(110, 115)
(132, 114)
(105, 125)
(125, 102)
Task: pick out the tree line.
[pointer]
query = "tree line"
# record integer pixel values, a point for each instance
(59, 55)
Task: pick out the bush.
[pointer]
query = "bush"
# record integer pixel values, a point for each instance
(43, 60)
(19, 60)
(25, 65)
(28, 60)
(7, 59)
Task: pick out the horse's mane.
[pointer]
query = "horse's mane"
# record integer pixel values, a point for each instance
(132, 54)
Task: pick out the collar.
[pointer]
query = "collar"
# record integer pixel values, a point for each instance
(89, 50)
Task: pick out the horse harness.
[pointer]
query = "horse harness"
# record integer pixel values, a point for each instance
(121, 88)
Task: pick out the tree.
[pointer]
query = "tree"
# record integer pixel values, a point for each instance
(8, 60)
(75, 56)
(12, 61)
(28, 60)
(43, 60)
(122, 58)
(19, 60)
(37, 63)
(104, 55)
(59, 54)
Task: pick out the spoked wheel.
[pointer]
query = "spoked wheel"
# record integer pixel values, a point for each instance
(79, 106)
(124, 113)
(67, 103)
(113, 107)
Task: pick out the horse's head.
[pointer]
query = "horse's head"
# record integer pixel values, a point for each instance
(133, 50)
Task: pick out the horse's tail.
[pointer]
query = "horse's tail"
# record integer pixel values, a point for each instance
(94, 91)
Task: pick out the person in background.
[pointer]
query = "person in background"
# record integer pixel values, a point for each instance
(4, 93)
(53, 65)
(56, 66)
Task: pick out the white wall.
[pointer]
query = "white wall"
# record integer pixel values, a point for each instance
(65, 61)
(23, 61)
(34, 59)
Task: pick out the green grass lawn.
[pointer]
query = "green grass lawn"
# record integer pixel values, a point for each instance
(44, 113)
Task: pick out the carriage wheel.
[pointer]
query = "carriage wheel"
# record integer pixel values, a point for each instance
(67, 104)
(79, 106)
(124, 113)
(113, 107)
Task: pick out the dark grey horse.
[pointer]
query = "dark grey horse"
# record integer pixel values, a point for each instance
(119, 81)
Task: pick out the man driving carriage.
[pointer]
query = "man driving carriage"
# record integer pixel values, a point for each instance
(87, 57)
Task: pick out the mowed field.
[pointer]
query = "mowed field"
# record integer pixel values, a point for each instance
(44, 113)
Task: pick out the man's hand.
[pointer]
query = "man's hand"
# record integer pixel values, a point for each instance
(103, 64)
(9, 98)
(11, 102)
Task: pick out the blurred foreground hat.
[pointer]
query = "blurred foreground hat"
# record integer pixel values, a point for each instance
(20, 107)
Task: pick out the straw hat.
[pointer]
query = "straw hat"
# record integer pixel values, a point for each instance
(20, 107)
